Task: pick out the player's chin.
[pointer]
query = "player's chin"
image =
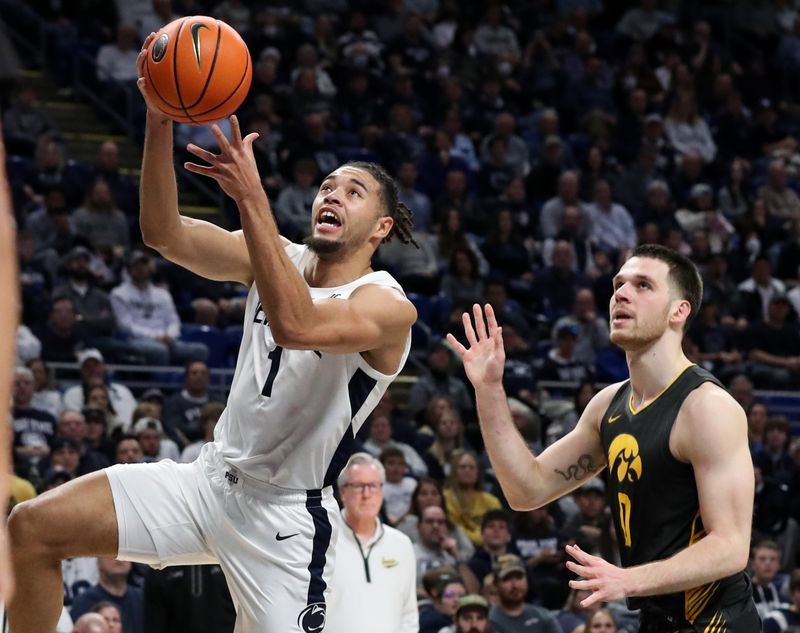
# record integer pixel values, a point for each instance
(322, 245)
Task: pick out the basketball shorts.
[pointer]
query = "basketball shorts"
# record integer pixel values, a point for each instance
(274, 545)
(741, 617)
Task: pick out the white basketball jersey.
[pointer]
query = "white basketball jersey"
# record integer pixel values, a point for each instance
(292, 415)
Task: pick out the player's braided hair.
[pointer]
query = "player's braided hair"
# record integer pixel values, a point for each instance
(403, 216)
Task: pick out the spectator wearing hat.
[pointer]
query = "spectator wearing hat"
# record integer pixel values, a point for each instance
(95, 322)
(561, 363)
(375, 564)
(472, 616)
(182, 409)
(782, 618)
(33, 428)
(780, 200)
(775, 347)
(155, 446)
(512, 614)
(210, 413)
(147, 315)
(93, 372)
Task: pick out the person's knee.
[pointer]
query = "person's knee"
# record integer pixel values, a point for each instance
(25, 529)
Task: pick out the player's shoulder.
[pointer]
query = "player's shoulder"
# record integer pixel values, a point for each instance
(708, 398)
(387, 299)
(603, 398)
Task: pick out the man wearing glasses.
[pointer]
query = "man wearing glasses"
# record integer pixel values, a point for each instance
(374, 562)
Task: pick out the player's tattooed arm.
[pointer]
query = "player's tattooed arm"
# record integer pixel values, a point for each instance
(582, 468)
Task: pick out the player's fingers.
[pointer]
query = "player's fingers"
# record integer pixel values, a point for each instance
(498, 342)
(491, 319)
(222, 141)
(460, 349)
(468, 329)
(250, 139)
(203, 170)
(236, 131)
(480, 324)
(580, 570)
(594, 598)
(201, 153)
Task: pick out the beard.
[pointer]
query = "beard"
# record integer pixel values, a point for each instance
(633, 339)
(320, 246)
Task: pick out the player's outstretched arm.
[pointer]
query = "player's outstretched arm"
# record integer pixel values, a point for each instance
(204, 248)
(528, 482)
(710, 434)
(9, 281)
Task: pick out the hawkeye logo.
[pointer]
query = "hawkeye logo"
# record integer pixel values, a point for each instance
(625, 464)
(196, 41)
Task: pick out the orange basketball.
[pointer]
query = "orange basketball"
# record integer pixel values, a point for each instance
(198, 69)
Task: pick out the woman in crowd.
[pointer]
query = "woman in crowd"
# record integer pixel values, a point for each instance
(464, 497)
(44, 397)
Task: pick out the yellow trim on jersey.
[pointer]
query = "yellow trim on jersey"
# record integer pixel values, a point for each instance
(717, 624)
(663, 391)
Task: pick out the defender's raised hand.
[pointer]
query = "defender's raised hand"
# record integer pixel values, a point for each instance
(484, 358)
(234, 168)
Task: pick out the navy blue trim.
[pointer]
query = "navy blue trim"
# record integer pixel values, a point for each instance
(322, 540)
(358, 390)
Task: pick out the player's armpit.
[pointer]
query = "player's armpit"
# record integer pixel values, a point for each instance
(372, 317)
(207, 250)
(711, 434)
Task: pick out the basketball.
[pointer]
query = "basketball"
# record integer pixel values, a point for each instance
(199, 70)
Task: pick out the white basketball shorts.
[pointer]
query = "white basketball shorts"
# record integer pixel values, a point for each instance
(275, 545)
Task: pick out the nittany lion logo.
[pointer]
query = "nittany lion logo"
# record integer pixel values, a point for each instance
(160, 47)
(623, 458)
(312, 618)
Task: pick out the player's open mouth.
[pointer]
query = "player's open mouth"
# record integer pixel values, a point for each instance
(620, 317)
(328, 221)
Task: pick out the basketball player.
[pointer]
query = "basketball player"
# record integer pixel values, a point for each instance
(9, 283)
(680, 479)
(324, 335)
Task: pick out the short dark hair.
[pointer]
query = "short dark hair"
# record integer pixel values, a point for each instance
(496, 514)
(399, 212)
(391, 451)
(683, 274)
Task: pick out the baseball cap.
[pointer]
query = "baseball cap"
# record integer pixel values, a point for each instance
(77, 251)
(653, 117)
(567, 328)
(657, 184)
(143, 424)
(90, 354)
(700, 189)
(137, 256)
(508, 564)
(472, 601)
(593, 485)
(153, 394)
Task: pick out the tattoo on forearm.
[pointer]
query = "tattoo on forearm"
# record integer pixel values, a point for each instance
(584, 466)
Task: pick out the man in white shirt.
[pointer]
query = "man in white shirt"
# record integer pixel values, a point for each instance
(374, 579)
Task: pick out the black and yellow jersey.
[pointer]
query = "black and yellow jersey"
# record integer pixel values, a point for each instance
(653, 496)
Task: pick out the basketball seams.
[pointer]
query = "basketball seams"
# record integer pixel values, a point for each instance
(211, 70)
(175, 72)
(228, 98)
(153, 85)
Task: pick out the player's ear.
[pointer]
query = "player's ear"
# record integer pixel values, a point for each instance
(682, 311)
(384, 226)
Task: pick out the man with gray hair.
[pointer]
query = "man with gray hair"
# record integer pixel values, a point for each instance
(374, 562)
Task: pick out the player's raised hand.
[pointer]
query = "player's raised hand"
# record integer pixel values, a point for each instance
(604, 580)
(234, 168)
(141, 82)
(484, 358)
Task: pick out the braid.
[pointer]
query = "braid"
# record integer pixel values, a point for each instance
(403, 216)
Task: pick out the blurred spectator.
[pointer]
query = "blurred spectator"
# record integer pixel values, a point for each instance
(187, 599)
(59, 336)
(293, 206)
(504, 250)
(592, 329)
(360, 47)
(780, 200)
(553, 209)
(780, 619)
(33, 429)
(573, 616)
(451, 235)
(146, 313)
(413, 198)
(592, 528)
(765, 565)
(93, 372)
(52, 169)
(234, 12)
(686, 131)
(464, 494)
(497, 41)
(128, 450)
(381, 438)
(155, 446)
(417, 269)
(113, 587)
(111, 614)
(124, 189)
(540, 548)
(438, 380)
(210, 413)
(398, 487)
(496, 540)
(49, 227)
(732, 197)
(643, 22)
(561, 363)
(183, 408)
(462, 285)
(515, 152)
(65, 455)
(25, 122)
(434, 547)
(72, 426)
(775, 347)
(611, 225)
(558, 284)
(757, 415)
(91, 623)
(97, 438)
(29, 347)
(472, 616)
(448, 437)
(718, 345)
(513, 614)
(99, 221)
(449, 592)
(117, 61)
(759, 289)
(44, 396)
(601, 621)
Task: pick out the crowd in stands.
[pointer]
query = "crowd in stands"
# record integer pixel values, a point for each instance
(537, 142)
